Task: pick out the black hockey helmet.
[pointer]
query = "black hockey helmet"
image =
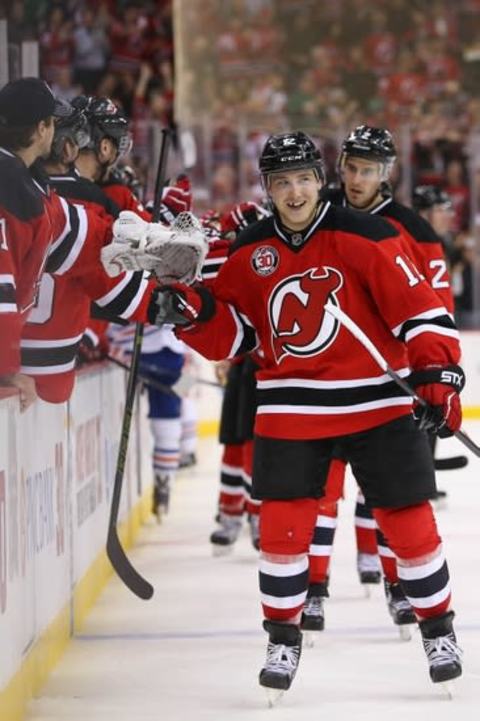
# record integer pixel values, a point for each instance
(370, 143)
(290, 151)
(73, 127)
(427, 196)
(106, 120)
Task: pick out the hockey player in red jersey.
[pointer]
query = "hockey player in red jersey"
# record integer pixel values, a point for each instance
(238, 411)
(55, 327)
(367, 158)
(318, 389)
(32, 223)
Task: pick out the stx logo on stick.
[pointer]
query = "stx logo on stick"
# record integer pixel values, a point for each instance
(297, 317)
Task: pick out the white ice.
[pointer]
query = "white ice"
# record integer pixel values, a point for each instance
(193, 652)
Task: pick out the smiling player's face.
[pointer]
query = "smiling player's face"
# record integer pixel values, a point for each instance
(295, 196)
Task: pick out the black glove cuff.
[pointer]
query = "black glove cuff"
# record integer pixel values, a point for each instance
(207, 311)
(451, 375)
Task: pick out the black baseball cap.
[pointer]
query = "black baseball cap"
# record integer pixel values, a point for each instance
(26, 101)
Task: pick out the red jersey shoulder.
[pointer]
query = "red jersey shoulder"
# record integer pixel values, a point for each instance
(406, 218)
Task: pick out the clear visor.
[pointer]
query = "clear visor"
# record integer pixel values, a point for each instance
(386, 166)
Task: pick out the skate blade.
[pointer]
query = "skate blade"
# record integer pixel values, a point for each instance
(367, 589)
(309, 638)
(218, 551)
(447, 688)
(273, 696)
(161, 513)
(405, 632)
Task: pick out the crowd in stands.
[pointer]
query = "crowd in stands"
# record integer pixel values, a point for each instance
(258, 66)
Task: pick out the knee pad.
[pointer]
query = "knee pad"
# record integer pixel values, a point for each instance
(411, 532)
(286, 527)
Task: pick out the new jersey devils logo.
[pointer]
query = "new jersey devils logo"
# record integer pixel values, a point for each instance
(300, 325)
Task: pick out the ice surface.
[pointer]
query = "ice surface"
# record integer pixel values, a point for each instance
(194, 651)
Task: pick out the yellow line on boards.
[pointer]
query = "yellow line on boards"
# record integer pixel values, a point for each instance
(50, 646)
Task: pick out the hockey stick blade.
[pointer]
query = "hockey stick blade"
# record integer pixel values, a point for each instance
(124, 569)
(358, 333)
(450, 464)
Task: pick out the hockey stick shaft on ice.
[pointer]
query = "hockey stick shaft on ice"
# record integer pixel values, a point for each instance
(358, 333)
(115, 552)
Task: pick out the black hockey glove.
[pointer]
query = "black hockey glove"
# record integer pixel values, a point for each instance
(180, 304)
(440, 388)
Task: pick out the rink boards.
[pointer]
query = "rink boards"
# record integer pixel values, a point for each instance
(57, 465)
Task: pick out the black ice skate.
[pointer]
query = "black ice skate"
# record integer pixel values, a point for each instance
(369, 571)
(313, 616)
(283, 654)
(443, 653)
(161, 496)
(400, 609)
(225, 536)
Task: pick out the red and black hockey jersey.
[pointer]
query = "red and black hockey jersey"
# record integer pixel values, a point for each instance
(125, 199)
(316, 380)
(424, 244)
(55, 327)
(38, 231)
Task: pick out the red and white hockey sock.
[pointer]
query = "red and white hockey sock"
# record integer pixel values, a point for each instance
(365, 527)
(387, 558)
(320, 551)
(422, 568)
(286, 529)
(232, 492)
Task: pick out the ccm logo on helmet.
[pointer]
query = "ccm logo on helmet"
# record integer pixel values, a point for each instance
(300, 326)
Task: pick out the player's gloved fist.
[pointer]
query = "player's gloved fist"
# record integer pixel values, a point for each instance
(129, 228)
(439, 387)
(241, 216)
(180, 304)
(178, 197)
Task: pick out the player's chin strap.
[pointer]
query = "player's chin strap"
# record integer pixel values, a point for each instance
(172, 253)
(358, 333)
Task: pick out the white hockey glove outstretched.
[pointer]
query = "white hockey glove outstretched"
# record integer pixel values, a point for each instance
(172, 253)
(128, 249)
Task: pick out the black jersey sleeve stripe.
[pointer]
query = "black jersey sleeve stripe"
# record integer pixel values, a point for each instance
(8, 296)
(412, 327)
(66, 248)
(246, 338)
(124, 297)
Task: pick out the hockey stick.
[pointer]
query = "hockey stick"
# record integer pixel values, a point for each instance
(358, 333)
(118, 558)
